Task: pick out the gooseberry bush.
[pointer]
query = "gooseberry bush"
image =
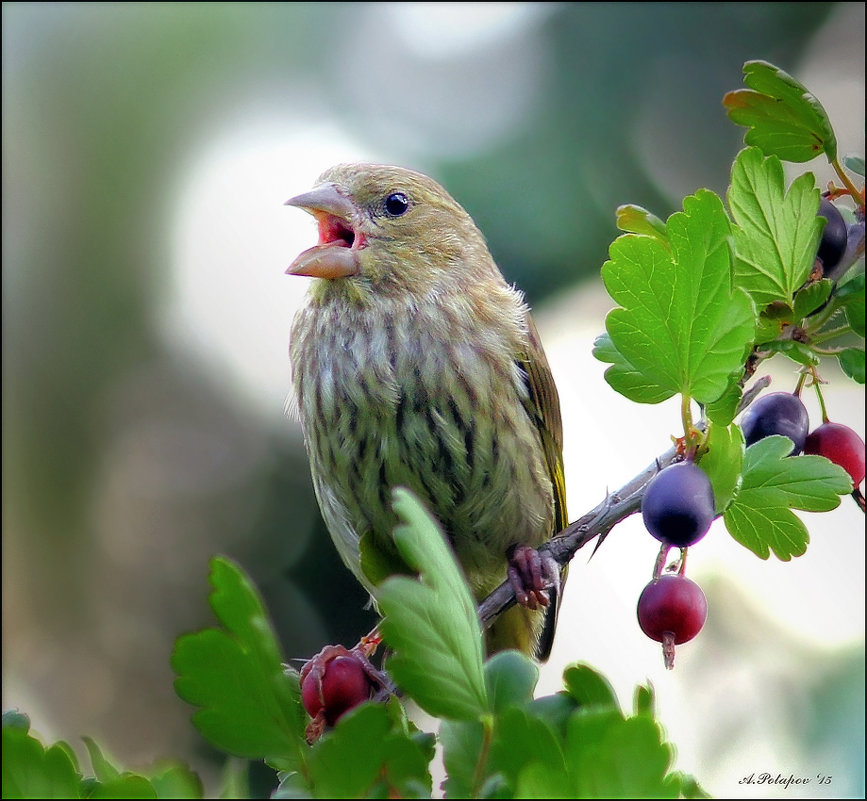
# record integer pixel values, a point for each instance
(702, 300)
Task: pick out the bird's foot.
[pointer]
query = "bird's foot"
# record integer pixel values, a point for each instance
(531, 574)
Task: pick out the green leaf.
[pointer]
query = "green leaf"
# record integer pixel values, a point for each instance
(723, 410)
(608, 756)
(536, 780)
(16, 720)
(681, 328)
(32, 771)
(689, 787)
(368, 755)
(777, 234)
(850, 297)
(173, 779)
(589, 687)
(723, 462)
(796, 351)
(625, 378)
(521, 739)
(431, 623)
(811, 297)
(760, 517)
(637, 220)
(462, 743)
(644, 700)
(249, 706)
(783, 118)
(102, 768)
(510, 678)
(126, 785)
(852, 363)
(554, 709)
(855, 164)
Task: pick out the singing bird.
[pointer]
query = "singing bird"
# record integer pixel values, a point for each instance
(415, 364)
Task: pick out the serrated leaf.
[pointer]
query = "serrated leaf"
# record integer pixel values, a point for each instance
(681, 327)
(102, 768)
(366, 750)
(811, 297)
(852, 363)
(510, 677)
(126, 785)
(760, 517)
(520, 740)
(554, 709)
(637, 220)
(248, 705)
(722, 463)
(175, 780)
(608, 756)
(32, 771)
(777, 233)
(431, 623)
(784, 119)
(588, 687)
(644, 700)
(623, 377)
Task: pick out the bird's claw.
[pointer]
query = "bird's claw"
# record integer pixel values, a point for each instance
(531, 574)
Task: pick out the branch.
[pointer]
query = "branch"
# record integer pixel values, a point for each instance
(615, 508)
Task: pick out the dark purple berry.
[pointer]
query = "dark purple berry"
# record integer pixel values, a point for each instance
(678, 504)
(777, 413)
(834, 237)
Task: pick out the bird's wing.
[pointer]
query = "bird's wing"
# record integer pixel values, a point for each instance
(543, 406)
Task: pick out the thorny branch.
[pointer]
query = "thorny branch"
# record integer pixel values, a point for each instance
(616, 507)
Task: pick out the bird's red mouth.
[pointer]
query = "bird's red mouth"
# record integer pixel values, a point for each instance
(336, 253)
(336, 231)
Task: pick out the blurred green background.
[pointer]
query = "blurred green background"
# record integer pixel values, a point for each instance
(147, 149)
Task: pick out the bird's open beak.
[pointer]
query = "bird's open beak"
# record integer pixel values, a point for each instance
(336, 253)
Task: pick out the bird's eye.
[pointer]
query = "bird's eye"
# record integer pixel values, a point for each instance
(396, 204)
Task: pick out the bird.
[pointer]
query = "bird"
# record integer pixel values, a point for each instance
(415, 364)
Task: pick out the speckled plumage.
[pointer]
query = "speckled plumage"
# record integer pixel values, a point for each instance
(424, 370)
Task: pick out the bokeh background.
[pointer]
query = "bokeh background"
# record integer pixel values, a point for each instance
(147, 152)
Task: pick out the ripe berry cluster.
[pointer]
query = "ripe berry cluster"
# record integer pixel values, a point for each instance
(678, 505)
(678, 508)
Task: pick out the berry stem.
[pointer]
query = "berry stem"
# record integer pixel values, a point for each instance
(816, 384)
(659, 565)
(668, 650)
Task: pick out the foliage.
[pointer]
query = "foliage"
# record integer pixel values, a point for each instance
(703, 298)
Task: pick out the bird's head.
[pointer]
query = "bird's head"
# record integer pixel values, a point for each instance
(388, 226)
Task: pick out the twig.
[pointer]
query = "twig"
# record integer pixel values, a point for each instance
(615, 508)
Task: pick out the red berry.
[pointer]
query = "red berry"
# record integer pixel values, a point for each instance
(333, 685)
(841, 445)
(671, 610)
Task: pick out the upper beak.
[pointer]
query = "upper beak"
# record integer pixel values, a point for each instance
(324, 198)
(336, 254)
